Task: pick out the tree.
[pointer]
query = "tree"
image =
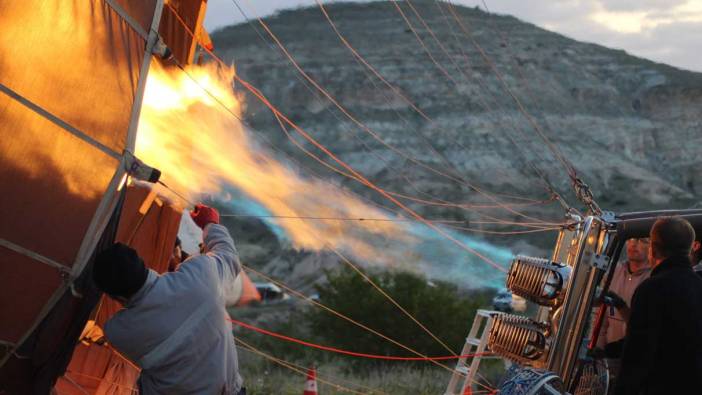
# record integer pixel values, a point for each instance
(438, 306)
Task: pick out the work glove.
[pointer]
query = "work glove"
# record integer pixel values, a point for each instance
(203, 215)
(614, 300)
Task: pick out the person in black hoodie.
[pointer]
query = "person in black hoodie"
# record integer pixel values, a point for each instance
(663, 348)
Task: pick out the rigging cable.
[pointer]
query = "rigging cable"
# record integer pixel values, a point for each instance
(367, 67)
(347, 352)
(248, 347)
(497, 221)
(469, 207)
(582, 190)
(366, 182)
(300, 295)
(360, 124)
(549, 187)
(381, 291)
(345, 381)
(362, 60)
(258, 92)
(306, 85)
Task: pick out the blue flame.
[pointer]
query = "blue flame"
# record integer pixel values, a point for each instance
(443, 259)
(434, 255)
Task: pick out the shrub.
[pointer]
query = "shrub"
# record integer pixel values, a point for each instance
(439, 306)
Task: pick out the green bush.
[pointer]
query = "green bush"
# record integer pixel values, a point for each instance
(439, 306)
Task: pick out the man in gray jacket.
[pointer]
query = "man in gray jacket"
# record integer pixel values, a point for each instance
(174, 326)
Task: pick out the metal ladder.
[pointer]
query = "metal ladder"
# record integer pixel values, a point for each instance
(473, 345)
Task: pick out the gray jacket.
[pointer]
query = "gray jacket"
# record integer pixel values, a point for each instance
(175, 327)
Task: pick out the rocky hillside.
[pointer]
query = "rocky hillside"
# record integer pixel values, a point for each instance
(631, 127)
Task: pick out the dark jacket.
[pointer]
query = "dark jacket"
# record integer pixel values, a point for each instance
(663, 349)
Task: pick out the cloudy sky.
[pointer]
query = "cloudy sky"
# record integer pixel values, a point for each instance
(668, 31)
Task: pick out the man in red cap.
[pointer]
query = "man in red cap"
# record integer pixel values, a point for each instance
(174, 326)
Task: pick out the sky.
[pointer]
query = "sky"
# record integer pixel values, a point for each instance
(667, 31)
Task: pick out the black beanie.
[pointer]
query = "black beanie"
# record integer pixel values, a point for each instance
(118, 271)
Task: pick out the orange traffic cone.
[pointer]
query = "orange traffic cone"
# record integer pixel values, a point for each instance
(311, 382)
(468, 390)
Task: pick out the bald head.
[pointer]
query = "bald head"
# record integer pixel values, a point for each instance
(671, 237)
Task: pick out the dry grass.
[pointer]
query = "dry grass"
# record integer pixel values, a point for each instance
(262, 376)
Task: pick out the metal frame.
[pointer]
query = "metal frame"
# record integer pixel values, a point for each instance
(128, 18)
(612, 237)
(100, 219)
(151, 40)
(107, 205)
(560, 254)
(578, 301)
(58, 121)
(480, 344)
(109, 200)
(590, 246)
(35, 256)
(97, 226)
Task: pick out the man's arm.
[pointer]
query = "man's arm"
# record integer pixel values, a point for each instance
(218, 243)
(220, 246)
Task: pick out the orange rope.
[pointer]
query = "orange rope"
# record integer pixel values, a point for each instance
(464, 206)
(441, 46)
(498, 232)
(392, 300)
(346, 318)
(392, 87)
(366, 182)
(436, 40)
(485, 106)
(361, 125)
(365, 65)
(421, 42)
(557, 153)
(347, 352)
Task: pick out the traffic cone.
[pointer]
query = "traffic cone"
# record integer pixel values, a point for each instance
(311, 382)
(468, 390)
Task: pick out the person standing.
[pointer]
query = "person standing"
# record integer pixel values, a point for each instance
(663, 348)
(628, 275)
(174, 326)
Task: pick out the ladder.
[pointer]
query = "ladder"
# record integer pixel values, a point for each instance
(464, 374)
